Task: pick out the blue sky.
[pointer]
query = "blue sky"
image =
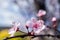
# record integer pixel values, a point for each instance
(9, 12)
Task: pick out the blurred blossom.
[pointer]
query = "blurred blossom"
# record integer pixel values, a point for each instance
(54, 19)
(41, 13)
(14, 29)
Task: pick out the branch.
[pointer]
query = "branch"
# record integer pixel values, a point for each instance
(22, 36)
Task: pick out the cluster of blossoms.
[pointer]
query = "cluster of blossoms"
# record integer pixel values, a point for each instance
(34, 26)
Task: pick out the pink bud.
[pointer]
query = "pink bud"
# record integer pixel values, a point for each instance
(28, 23)
(41, 13)
(54, 19)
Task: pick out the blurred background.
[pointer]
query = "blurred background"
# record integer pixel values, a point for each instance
(23, 10)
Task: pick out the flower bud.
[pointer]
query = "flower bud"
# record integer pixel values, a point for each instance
(41, 13)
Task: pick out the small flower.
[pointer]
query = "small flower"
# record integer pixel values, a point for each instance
(54, 19)
(39, 26)
(28, 23)
(41, 13)
(14, 29)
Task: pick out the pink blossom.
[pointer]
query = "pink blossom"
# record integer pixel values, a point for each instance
(54, 19)
(41, 13)
(14, 29)
(39, 26)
